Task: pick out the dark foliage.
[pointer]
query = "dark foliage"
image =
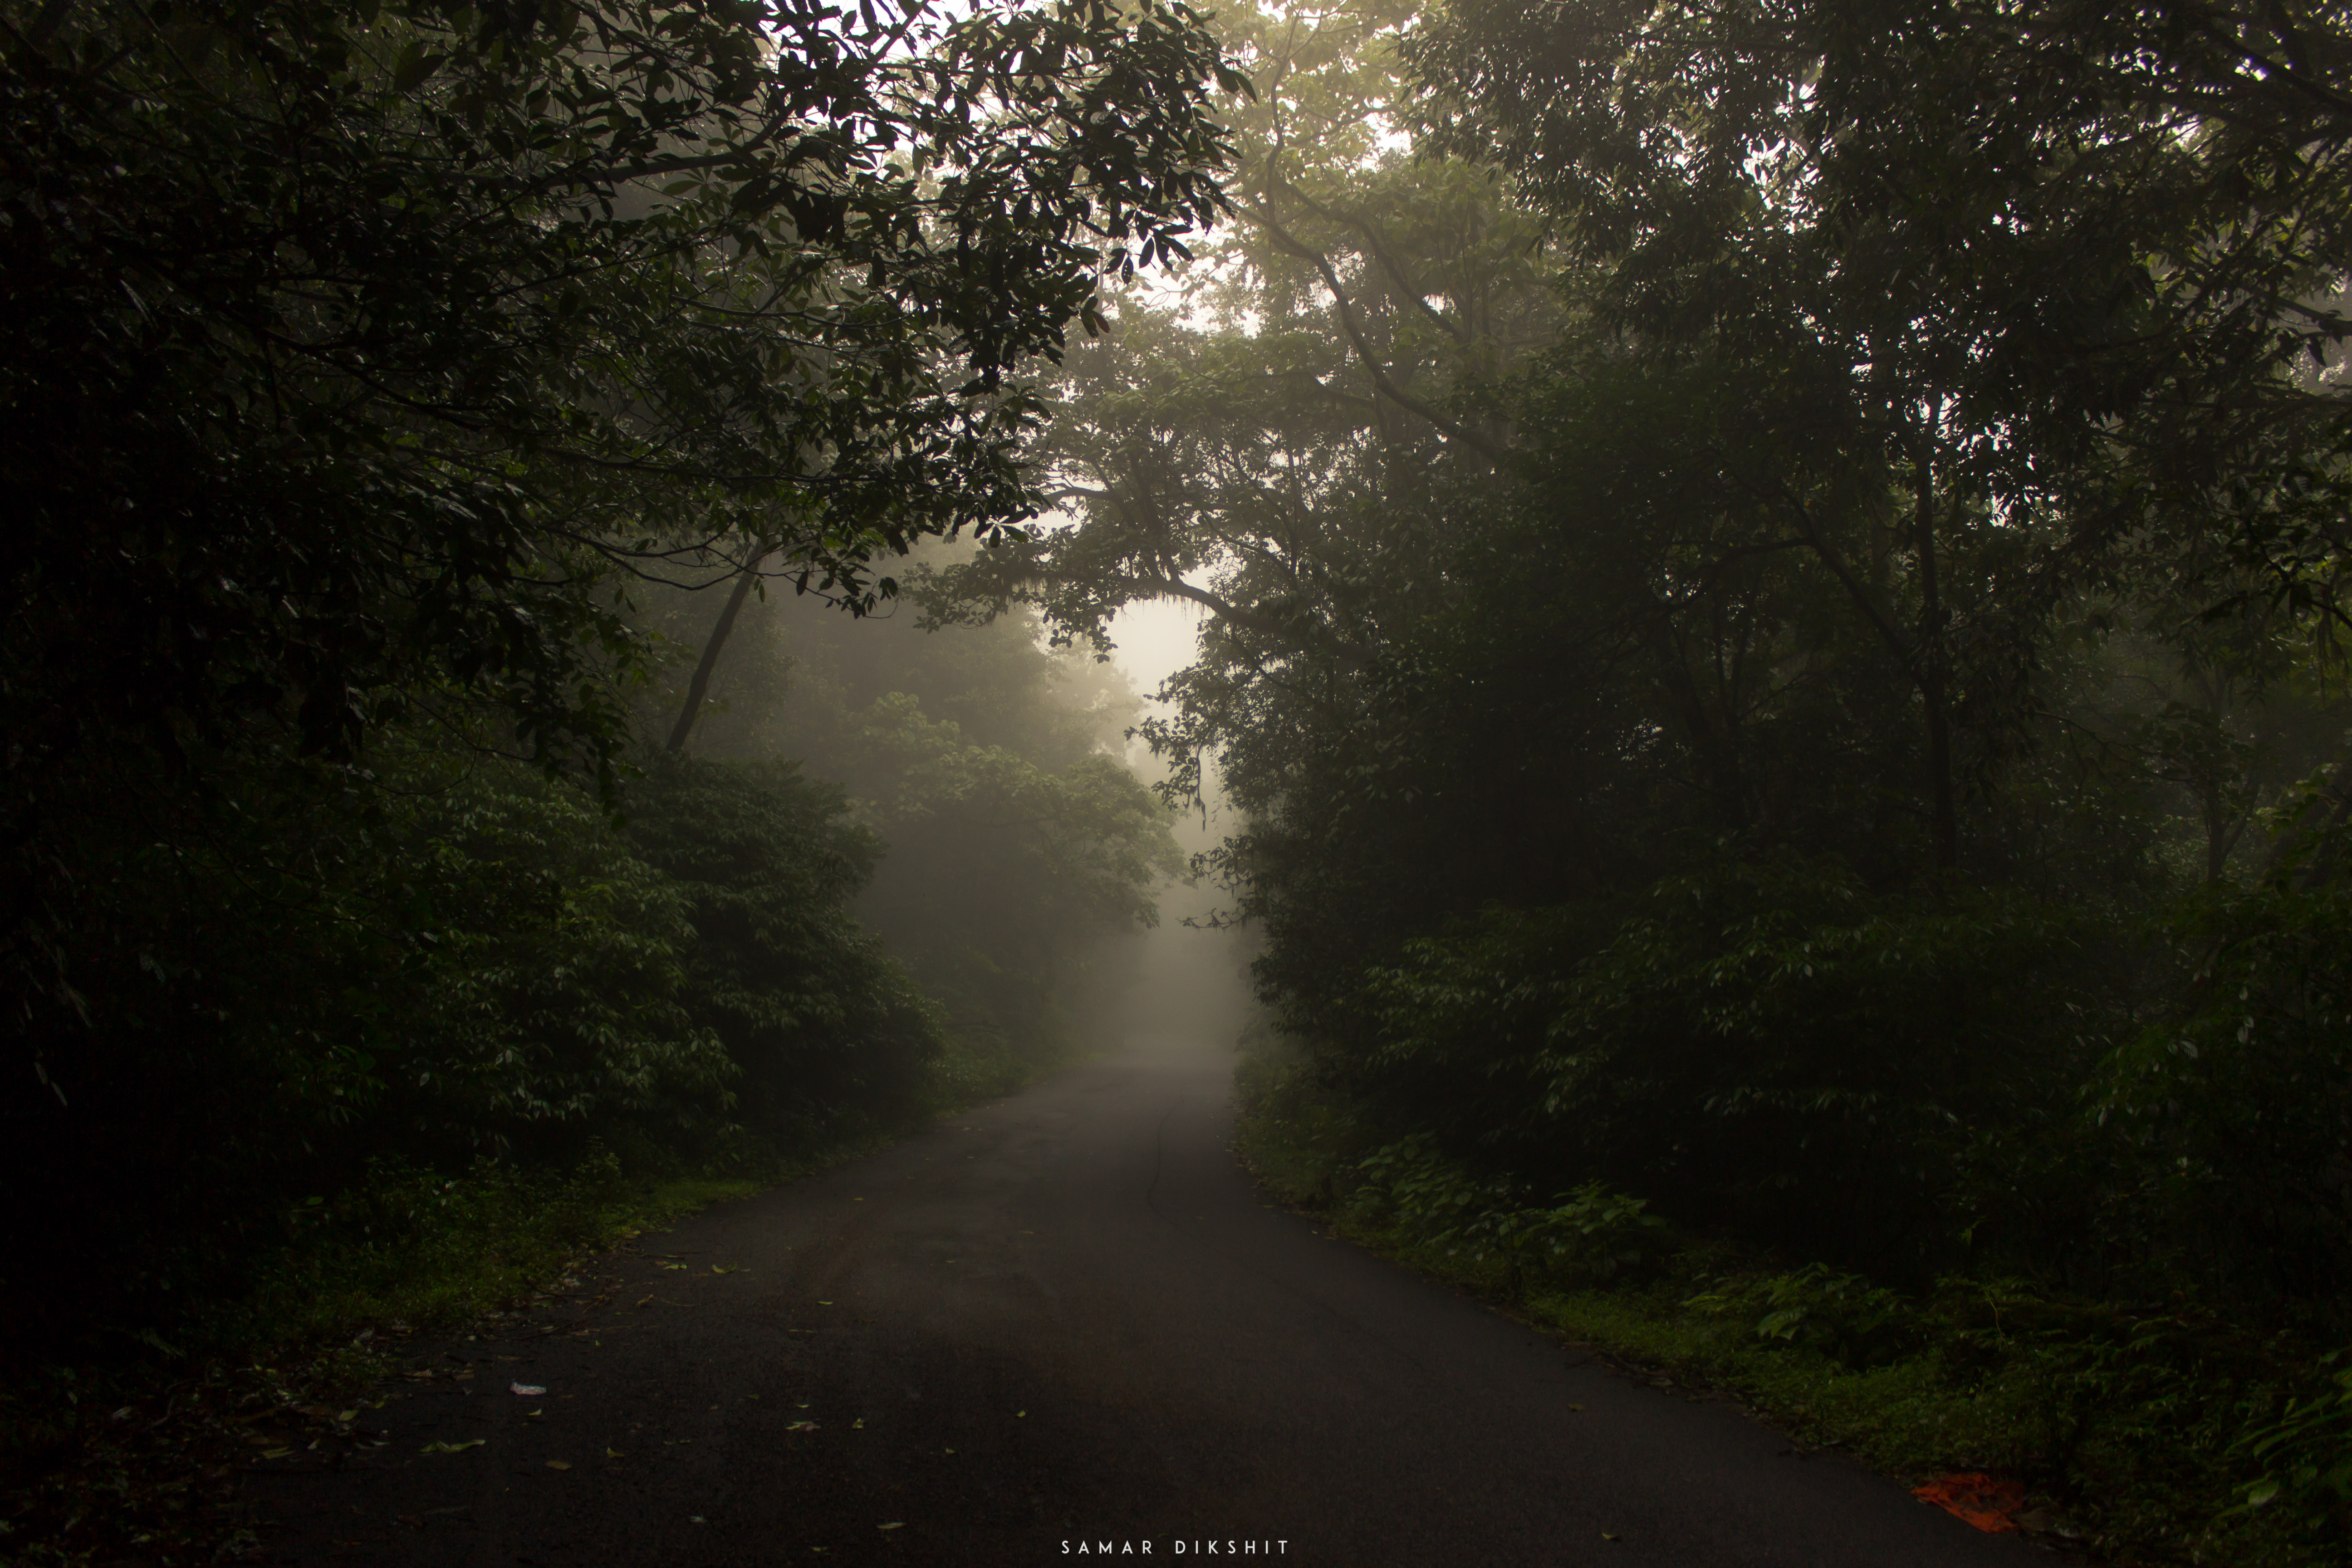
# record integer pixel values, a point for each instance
(363, 360)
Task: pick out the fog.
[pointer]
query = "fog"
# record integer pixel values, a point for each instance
(1191, 977)
(1187, 979)
(1019, 864)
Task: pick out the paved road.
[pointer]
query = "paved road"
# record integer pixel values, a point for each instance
(1062, 1320)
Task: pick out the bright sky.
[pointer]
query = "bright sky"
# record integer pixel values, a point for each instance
(1156, 639)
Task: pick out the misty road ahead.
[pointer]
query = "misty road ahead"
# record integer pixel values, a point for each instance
(1066, 1319)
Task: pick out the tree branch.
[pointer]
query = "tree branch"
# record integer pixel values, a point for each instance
(1347, 655)
(1386, 258)
(1828, 556)
(700, 686)
(1381, 381)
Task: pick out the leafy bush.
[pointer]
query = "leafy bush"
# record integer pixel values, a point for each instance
(548, 976)
(426, 1246)
(2306, 1454)
(455, 960)
(1010, 870)
(821, 1023)
(1763, 1043)
(1843, 1316)
(2236, 1107)
(1589, 1234)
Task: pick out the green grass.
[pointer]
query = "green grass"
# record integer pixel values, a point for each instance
(429, 1252)
(2123, 1421)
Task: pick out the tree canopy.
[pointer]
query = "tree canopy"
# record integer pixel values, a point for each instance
(1771, 570)
(1711, 517)
(371, 369)
(357, 347)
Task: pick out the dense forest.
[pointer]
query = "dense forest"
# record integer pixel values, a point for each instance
(1773, 642)
(1777, 650)
(1775, 606)
(383, 383)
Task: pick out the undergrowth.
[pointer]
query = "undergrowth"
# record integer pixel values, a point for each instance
(2144, 1432)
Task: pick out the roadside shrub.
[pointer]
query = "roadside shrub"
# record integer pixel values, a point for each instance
(820, 1022)
(1841, 1316)
(2235, 1110)
(2305, 1454)
(1587, 1235)
(1763, 1045)
(451, 959)
(547, 978)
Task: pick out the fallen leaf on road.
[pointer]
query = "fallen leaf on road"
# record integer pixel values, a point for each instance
(726, 1268)
(614, 1454)
(1982, 1501)
(825, 1304)
(1606, 1536)
(1576, 1407)
(678, 1266)
(441, 1446)
(646, 1302)
(801, 1427)
(274, 1453)
(559, 1464)
(858, 1425)
(1019, 1413)
(894, 1524)
(528, 1389)
(347, 1416)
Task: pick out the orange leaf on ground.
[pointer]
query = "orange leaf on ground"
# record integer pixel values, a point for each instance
(1980, 1500)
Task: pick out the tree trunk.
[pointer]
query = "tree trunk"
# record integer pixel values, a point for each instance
(700, 687)
(1931, 657)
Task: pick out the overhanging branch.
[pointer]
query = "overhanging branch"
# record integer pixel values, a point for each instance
(1382, 382)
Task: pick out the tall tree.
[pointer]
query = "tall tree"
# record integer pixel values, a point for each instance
(1255, 449)
(355, 344)
(2054, 264)
(359, 352)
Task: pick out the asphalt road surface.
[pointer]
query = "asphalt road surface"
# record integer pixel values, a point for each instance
(1060, 1323)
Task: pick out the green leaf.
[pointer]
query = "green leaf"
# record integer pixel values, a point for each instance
(414, 67)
